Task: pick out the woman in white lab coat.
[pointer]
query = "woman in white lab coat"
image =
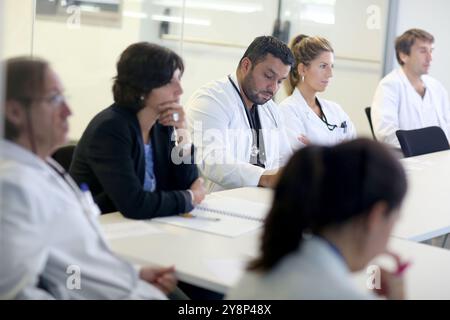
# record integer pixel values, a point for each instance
(332, 213)
(51, 243)
(308, 118)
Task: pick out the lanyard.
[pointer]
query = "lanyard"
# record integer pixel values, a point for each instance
(258, 156)
(89, 208)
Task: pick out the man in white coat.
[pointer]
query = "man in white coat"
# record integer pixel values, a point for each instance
(51, 245)
(237, 128)
(407, 98)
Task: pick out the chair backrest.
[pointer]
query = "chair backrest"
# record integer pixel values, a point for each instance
(422, 141)
(64, 156)
(369, 118)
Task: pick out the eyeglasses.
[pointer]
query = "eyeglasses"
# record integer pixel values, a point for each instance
(55, 100)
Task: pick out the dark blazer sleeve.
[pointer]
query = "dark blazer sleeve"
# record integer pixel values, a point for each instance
(109, 154)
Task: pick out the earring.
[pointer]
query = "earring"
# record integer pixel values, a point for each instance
(303, 78)
(142, 98)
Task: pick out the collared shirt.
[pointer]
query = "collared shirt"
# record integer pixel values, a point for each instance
(50, 238)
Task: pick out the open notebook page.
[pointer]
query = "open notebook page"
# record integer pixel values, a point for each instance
(222, 216)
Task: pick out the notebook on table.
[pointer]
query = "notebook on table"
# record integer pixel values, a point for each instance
(223, 216)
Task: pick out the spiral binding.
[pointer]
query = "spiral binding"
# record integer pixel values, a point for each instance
(229, 213)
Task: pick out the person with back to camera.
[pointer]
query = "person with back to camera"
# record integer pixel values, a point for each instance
(332, 213)
(310, 119)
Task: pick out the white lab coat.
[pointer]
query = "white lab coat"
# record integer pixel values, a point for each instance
(300, 119)
(397, 106)
(314, 272)
(222, 134)
(50, 235)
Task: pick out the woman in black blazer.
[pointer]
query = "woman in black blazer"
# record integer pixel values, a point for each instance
(136, 156)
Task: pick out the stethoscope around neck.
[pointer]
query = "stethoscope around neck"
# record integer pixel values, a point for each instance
(255, 149)
(331, 127)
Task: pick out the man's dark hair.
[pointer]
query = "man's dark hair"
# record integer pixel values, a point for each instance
(141, 68)
(262, 46)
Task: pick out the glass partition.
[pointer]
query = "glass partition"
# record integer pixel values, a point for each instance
(357, 31)
(84, 48)
(83, 39)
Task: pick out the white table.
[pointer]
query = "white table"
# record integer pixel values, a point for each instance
(215, 262)
(196, 255)
(427, 277)
(426, 210)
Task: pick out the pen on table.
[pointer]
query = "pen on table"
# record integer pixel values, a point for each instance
(402, 268)
(191, 216)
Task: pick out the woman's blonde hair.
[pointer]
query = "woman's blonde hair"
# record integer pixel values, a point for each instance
(305, 49)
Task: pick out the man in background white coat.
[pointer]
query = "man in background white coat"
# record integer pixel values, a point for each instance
(407, 98)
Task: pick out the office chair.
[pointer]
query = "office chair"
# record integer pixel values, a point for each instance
(422, 141)
(369, 118)
(64, 155)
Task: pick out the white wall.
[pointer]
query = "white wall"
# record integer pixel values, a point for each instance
(17, 19)
(205, 62)
(432, 16)
(85, 57)
(354, 82)
(358, 33)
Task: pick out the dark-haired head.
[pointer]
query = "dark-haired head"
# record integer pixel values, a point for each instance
(141, 68)
(264, 45)
(263, 68)
(328, 188)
